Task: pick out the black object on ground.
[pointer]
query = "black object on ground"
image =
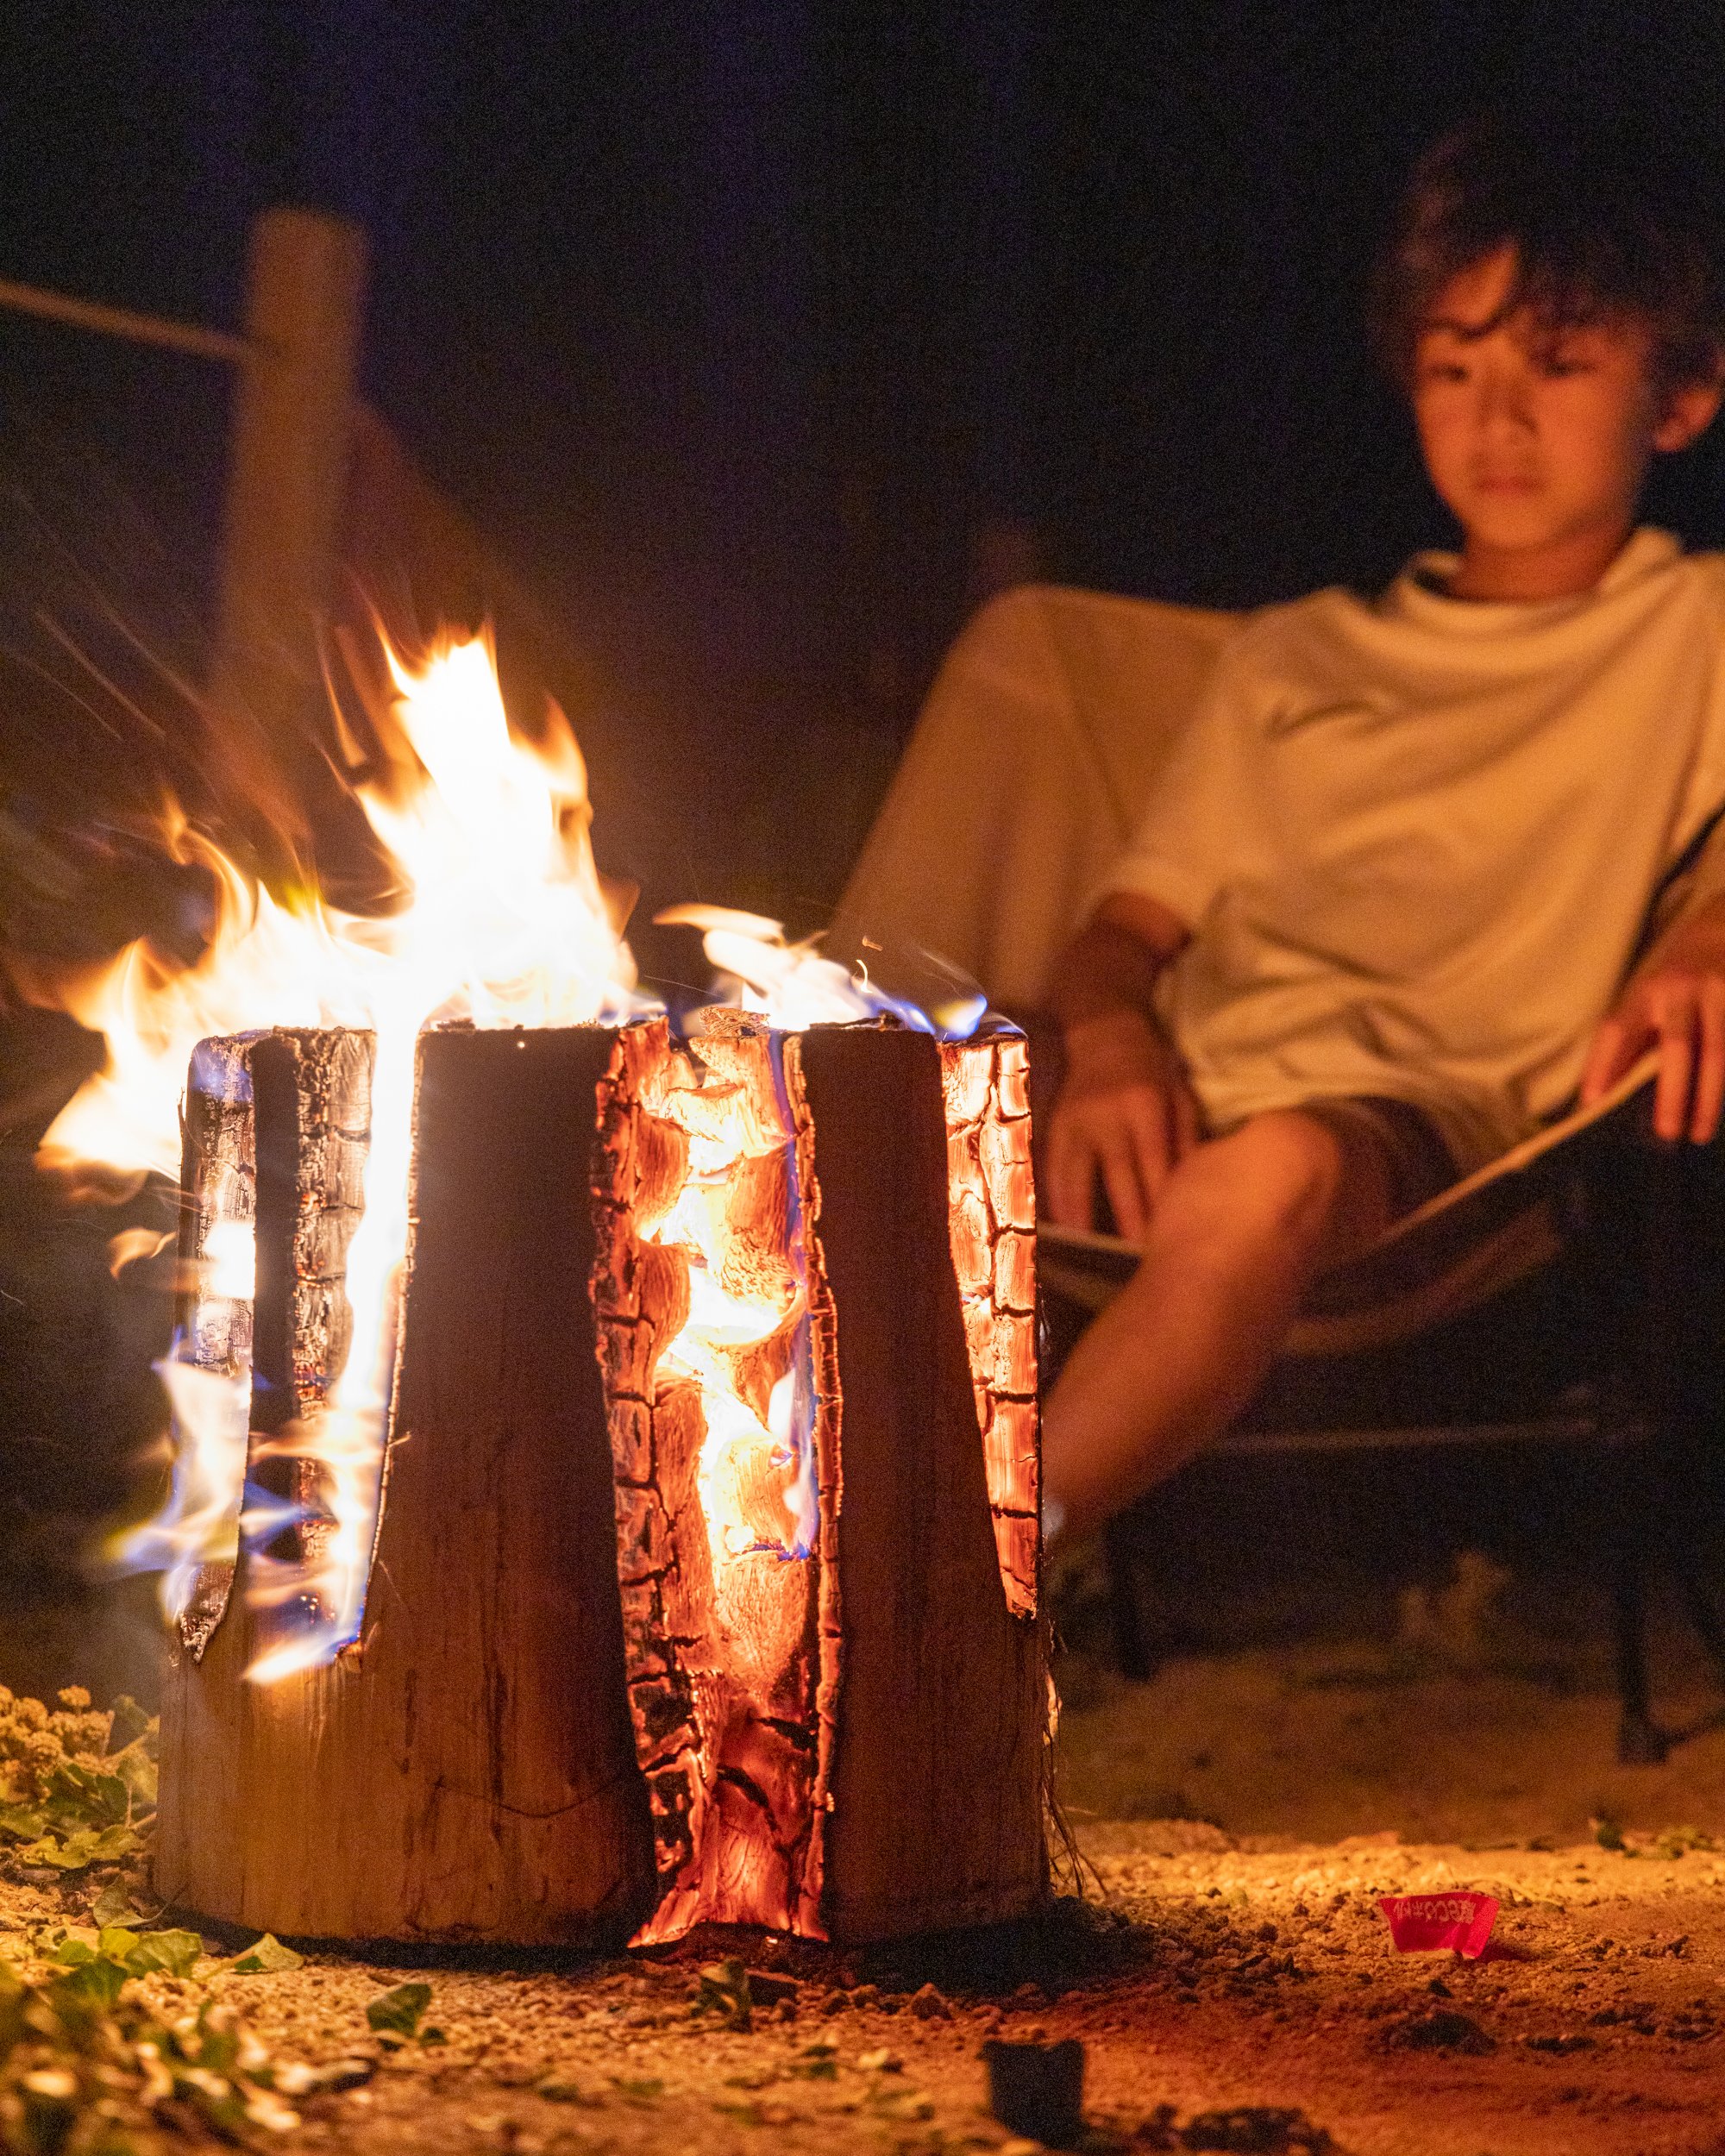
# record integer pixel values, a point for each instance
(1037, 2090)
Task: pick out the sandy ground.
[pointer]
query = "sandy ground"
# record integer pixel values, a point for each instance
(1241, 1967)
(1205, 1978)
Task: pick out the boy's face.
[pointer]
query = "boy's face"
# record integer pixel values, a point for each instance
(1538, 442)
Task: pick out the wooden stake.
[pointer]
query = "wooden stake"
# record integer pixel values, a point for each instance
(286, 483)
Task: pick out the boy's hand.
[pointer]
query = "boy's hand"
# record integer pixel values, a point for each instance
(1125, 1110)
(1675, 1003)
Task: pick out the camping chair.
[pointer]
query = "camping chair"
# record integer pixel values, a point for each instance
(1535, 1304)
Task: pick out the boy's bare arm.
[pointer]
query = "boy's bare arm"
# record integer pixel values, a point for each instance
(1125, 1110)
(1674, 1000)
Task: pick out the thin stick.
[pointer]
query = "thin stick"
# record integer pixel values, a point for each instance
(121, 321)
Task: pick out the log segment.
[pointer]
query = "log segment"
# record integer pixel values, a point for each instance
(724, 1454)
(470, 1773)
(219, 1182)
(942, 1715)
(640, 1647)
(992, 1216)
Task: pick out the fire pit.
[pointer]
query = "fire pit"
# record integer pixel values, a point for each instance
(605, 1483)
(710, 1292)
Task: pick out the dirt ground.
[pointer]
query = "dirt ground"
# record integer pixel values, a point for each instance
(1242, 1968)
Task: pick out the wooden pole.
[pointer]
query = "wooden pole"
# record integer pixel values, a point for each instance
(286, 483)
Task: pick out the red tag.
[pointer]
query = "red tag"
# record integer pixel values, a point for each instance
(1427, 1923)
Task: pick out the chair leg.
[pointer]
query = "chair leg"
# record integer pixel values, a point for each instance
(1640, 1742)
(1640, 1738)
(1130, 1651)
(1704, 1615)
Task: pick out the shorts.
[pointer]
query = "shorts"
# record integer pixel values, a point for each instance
(1416, 1157)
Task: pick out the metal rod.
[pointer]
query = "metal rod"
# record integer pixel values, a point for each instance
(122, 322)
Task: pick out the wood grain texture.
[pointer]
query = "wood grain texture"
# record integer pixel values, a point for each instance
(469, 1772)
(942, 1707)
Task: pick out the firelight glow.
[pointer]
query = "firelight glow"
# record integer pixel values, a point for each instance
(504, 922)
(792, 985)
(737, 1304)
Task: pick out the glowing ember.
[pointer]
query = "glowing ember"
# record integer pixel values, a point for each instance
(708, 1306)
(991, 1227)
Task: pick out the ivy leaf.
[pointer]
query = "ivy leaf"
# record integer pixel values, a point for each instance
(79, 1796)
(137, 1770)
(113, 1906)
(16, 1818)
(85, 1846)
(397, 2013)
(176, 1951)
(266, 1956)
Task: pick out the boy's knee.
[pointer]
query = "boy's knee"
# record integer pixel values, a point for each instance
(1275, 1179)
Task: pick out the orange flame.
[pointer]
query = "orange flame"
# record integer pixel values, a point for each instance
(504, 922)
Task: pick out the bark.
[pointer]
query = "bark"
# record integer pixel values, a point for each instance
(622, 1664)
(469, 1773)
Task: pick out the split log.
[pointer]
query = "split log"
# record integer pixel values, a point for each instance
(943, 1709)
(469, 1773)
(633, 1654)
(845, 1737)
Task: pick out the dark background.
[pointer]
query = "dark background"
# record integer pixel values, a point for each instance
(754, 336)
(759, 341)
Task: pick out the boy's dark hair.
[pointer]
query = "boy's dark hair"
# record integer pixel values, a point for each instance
(1605, 226)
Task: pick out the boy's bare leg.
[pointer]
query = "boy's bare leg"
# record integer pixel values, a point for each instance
(1239, 1229)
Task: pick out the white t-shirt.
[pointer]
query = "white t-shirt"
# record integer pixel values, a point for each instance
(1415, 838)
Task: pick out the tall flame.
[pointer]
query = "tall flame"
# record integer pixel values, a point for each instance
(504, 921)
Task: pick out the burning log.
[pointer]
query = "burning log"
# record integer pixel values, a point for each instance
(467, 1771)
(703, 1580)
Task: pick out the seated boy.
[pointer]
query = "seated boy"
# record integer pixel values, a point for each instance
(1376, 925)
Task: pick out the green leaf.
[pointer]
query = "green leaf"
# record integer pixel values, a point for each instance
(176, 1951)
(85, 1846)
(136, 1768)
(265, 1957)
(16, 1818)
(96, 1982)
(79, 1796)
(130, 1722)
(397, 2013)
(113, 1906)
(218, 2049)
(15, 1997)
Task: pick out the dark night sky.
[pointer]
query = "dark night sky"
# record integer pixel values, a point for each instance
(729, 325)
